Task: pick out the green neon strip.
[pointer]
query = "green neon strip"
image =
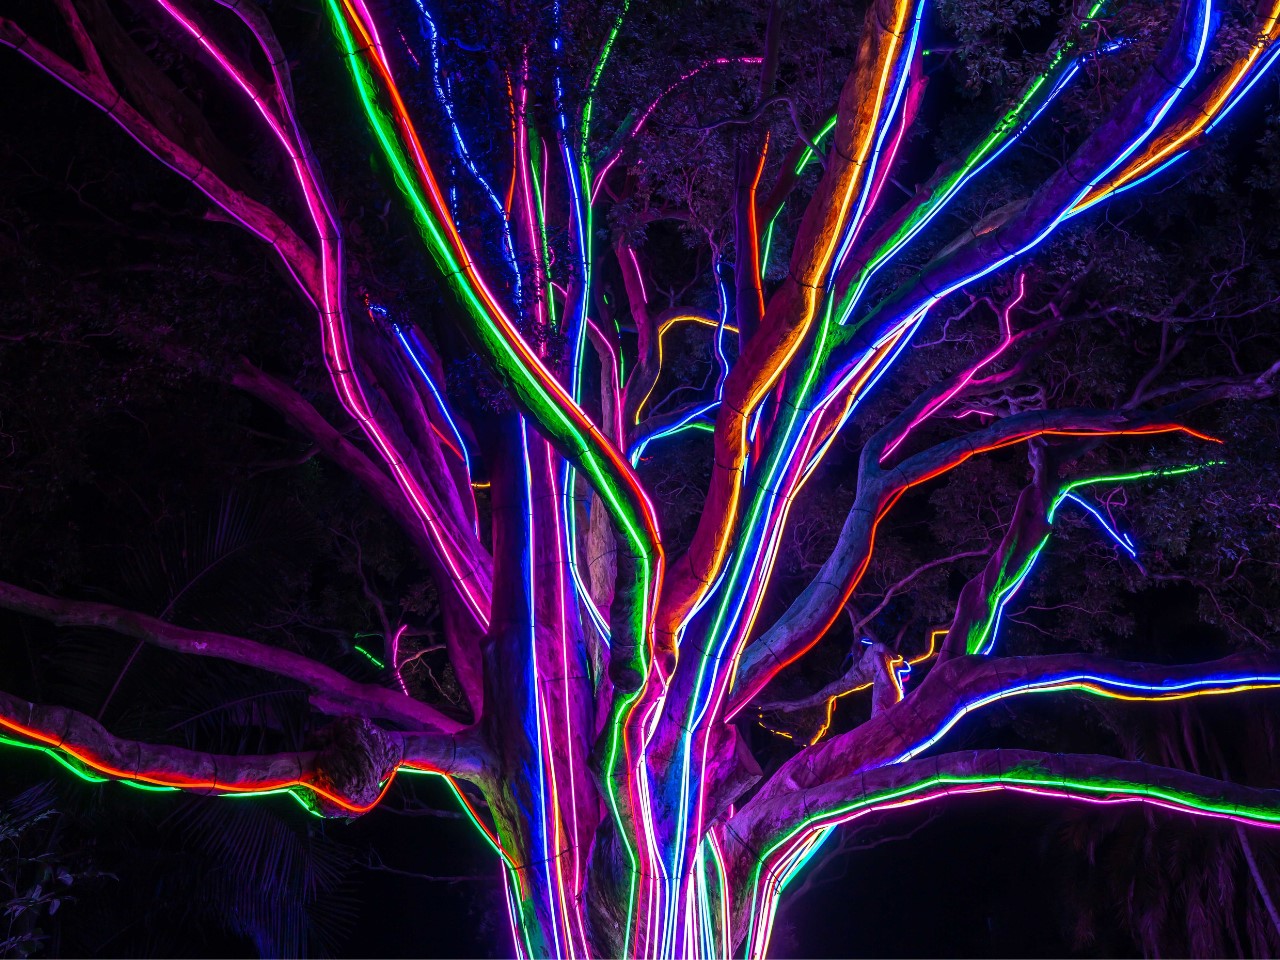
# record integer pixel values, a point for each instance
(595, 82)
(805, 159)
(372, 659)
(1020, 777)
(148, 787)
(1124, 477)
(466, 809)
(82, 772)
(536, 162)
(808, 156)
(978, 635)
(950, 184)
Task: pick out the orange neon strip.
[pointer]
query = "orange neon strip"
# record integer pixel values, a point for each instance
(1180, 133)
(662, 330)
(189, 783)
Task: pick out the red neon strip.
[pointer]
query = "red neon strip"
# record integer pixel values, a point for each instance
(744, 697)
(189, 783)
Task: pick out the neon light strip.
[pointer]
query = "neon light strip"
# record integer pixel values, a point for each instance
(625, 502)
(337, 347)
(1124, 542)
(458, 445)
(1030, 781)
(1006, 338)
(717, 325)
(460, 145)
(905, 11)
(982, 637)
(1007, 131)
(932, 651)
(1099, 685)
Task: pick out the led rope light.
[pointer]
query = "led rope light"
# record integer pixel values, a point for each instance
(333, 326)
(811, 423)
(767, 888)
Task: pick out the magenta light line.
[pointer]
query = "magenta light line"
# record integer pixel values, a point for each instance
(333, 322)
(1006, 338)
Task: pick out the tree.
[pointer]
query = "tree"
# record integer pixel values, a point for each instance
(614, 623)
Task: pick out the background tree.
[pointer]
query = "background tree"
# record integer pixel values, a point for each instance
(562, 509)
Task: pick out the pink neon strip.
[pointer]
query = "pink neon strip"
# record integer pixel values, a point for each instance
(1006, 338)
(333, 325)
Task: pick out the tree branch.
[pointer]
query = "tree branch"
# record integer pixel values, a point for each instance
(764, 832)
(348, 773)
(335, 693)
(811, 614)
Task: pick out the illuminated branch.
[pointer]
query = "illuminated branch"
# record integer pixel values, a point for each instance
(792, 308)
(348, 774)
(530, 382)
(872, 668)
(1201, 114)
(965, 377)
(323, 286)
(817, 606)
(748, 168)
(765, 846)
(983, 598)
(335, 692)
(628, 131)
(645, 377)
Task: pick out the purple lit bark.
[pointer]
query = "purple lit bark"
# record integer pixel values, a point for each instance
(542, 686)
(764, 822)
(336, 691)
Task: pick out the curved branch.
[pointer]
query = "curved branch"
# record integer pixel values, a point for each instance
(349, 773)
(966, 684)
(336, 693)
(763, 840)
(815, 609)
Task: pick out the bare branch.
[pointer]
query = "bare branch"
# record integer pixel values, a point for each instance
(335, 693)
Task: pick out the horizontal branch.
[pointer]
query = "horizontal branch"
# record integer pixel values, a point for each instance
(966, 684)
(348, 774)
(762, 840)
(336, 693)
